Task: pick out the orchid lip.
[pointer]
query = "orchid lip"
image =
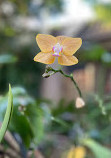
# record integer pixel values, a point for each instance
(57, 49)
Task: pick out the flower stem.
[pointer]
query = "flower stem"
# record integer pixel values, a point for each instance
(48, 69)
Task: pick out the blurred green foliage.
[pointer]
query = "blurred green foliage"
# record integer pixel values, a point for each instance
(38, 122)
(97, 54)
(104, 12)
(17, 42)
(98, 150)
(7, 59)
(102, 9)
(94, 53)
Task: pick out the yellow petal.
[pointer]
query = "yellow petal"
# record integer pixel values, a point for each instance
(60, 39)
(71, 153)
(46, 58)
(78, 152)
(46, 42)
(67, 60)
(71, 45)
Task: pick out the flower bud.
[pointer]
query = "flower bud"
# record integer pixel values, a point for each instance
(79, 103)
(46, 75)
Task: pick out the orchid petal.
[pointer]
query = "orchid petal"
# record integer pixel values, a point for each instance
(60, 39)
(67, 60)
(71, 45)
(46, 58)
(46, 42)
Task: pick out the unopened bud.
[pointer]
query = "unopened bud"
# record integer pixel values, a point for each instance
(80, 103)
(46, 75)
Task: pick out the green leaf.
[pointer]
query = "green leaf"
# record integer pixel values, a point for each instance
(94, 53)
(7, 115)
(21, 125)
(7, 58)
(98, 150)
(35, 116)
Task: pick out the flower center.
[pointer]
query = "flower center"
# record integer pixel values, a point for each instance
(57, 49)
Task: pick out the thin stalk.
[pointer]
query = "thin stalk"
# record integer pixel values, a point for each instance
(48, 69)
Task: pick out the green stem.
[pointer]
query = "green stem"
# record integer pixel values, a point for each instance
(69, 76)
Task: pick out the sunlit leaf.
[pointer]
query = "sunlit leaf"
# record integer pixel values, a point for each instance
(98, 150)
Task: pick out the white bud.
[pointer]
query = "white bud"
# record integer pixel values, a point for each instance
(80, 103)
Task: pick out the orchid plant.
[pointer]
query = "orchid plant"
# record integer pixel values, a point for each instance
(62, 48)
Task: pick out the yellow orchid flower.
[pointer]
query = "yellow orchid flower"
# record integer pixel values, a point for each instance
(61, 47)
